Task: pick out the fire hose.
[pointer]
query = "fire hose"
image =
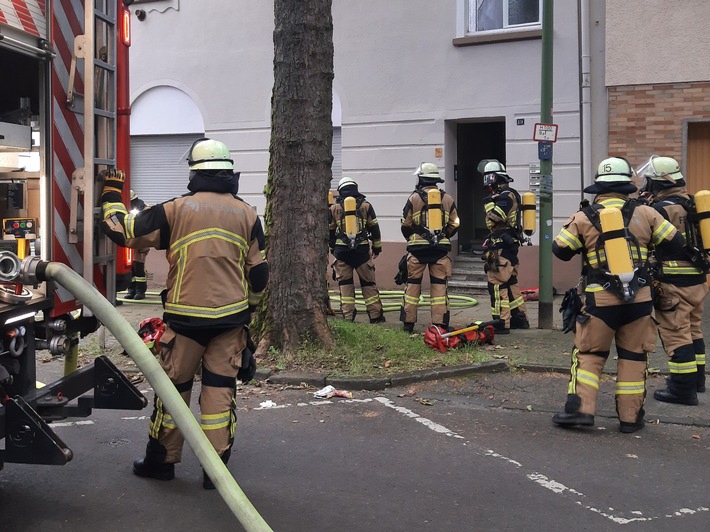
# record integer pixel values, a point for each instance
(455, 301)
(35, 270)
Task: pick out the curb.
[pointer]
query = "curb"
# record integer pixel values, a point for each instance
(381, 383)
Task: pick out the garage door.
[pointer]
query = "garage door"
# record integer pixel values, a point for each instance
(158, 167)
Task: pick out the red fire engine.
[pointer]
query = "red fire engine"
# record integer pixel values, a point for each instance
(64, 116)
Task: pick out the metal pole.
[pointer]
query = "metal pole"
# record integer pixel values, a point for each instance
(545, 302)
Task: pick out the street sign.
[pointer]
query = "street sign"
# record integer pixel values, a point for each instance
(544, 151)
(545, 132)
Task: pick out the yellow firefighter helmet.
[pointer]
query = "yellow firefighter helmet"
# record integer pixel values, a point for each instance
(209, 154)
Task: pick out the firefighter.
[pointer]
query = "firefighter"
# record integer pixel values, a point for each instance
(217, 274)
(139, 280)
(353, 227)
(682, 285)
(617, 302)
(429, 220)
(503, 220)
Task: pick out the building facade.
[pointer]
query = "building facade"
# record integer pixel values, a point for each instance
(449, 82)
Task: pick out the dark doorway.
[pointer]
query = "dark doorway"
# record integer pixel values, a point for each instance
(475, 141)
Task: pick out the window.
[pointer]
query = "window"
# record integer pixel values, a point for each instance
(488, 15)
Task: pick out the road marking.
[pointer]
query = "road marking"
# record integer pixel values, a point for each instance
(428, 423)
(541, 480)
(71, 424)
(538, 478)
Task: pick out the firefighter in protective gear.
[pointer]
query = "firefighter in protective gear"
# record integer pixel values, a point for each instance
(681, 288)
(606, 315)
(428, 247)
(351, 249)
(217, 274)
(139, 280)
(503, 220)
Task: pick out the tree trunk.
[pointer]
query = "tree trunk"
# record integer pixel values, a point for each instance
(299, 175)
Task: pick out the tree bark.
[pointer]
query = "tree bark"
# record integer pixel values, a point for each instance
(299, 175)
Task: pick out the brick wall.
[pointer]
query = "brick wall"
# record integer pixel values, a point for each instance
(648, 119)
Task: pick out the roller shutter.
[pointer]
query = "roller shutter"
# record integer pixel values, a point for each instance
(158, 167)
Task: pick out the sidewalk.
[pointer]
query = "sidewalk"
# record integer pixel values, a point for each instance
(531, 367)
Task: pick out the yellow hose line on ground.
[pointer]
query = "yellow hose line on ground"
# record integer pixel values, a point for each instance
(455, 300)
(210, 461)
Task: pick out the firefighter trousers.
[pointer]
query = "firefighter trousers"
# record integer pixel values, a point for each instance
(344, 274)
(632, 329)
(439, 274)
(180, 357)
(503, 287)
(679, 314)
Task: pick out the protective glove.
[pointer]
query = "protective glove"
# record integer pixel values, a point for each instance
(248, 369)
(570, 308)
(113, 178)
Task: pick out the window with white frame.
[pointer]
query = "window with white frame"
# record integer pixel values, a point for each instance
(490, 15)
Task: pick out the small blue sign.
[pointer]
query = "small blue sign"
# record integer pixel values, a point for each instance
(544, 151)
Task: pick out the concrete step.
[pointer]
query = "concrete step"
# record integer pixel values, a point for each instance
(465, 287)
(469, 277)
(467, 268)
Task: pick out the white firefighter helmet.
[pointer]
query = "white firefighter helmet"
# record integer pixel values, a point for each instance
(428, 173)
(133, 195)
(660, 168)
(427, 170)
(493, 172)
(614, 170)
(209, 154)
(346, 182)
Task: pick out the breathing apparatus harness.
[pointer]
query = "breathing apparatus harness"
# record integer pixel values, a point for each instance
(602, 275)
(431, 235)
(362, 234)
(694, 248)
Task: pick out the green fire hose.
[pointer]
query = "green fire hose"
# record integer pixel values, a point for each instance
(228, 488)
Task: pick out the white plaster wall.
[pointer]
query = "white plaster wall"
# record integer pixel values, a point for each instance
(399, 80)
(657, 41)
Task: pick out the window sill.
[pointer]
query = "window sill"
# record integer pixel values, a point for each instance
(502, 36)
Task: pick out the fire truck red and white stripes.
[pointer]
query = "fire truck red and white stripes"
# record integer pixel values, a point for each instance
(29, 16)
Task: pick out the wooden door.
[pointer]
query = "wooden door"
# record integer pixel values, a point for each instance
(697, 165)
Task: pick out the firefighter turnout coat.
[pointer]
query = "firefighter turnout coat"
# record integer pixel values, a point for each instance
(214, 244)
(354, 255)
(425, 249)
(605, 315)
(680, 299)
(501, 254)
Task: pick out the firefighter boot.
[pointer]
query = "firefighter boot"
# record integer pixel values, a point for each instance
(131, 292)
(153, 465)
(379, 319)
(572, 417)
(206, 480)
(680, 395)
(499, 325)
(670, 396)
(140, 291)
(627, 427)
(408, 327)
(518, 320)
(148, 468)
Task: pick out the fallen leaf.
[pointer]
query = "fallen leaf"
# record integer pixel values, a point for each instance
(424, 401)
(528, 408)
(696, 436)
(631, 456)
(388, 363)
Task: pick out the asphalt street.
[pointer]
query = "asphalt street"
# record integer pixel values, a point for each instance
(447, 455)
(473, 453)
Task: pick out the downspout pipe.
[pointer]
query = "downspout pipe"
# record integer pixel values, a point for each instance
(586, 92)
(35, 270)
